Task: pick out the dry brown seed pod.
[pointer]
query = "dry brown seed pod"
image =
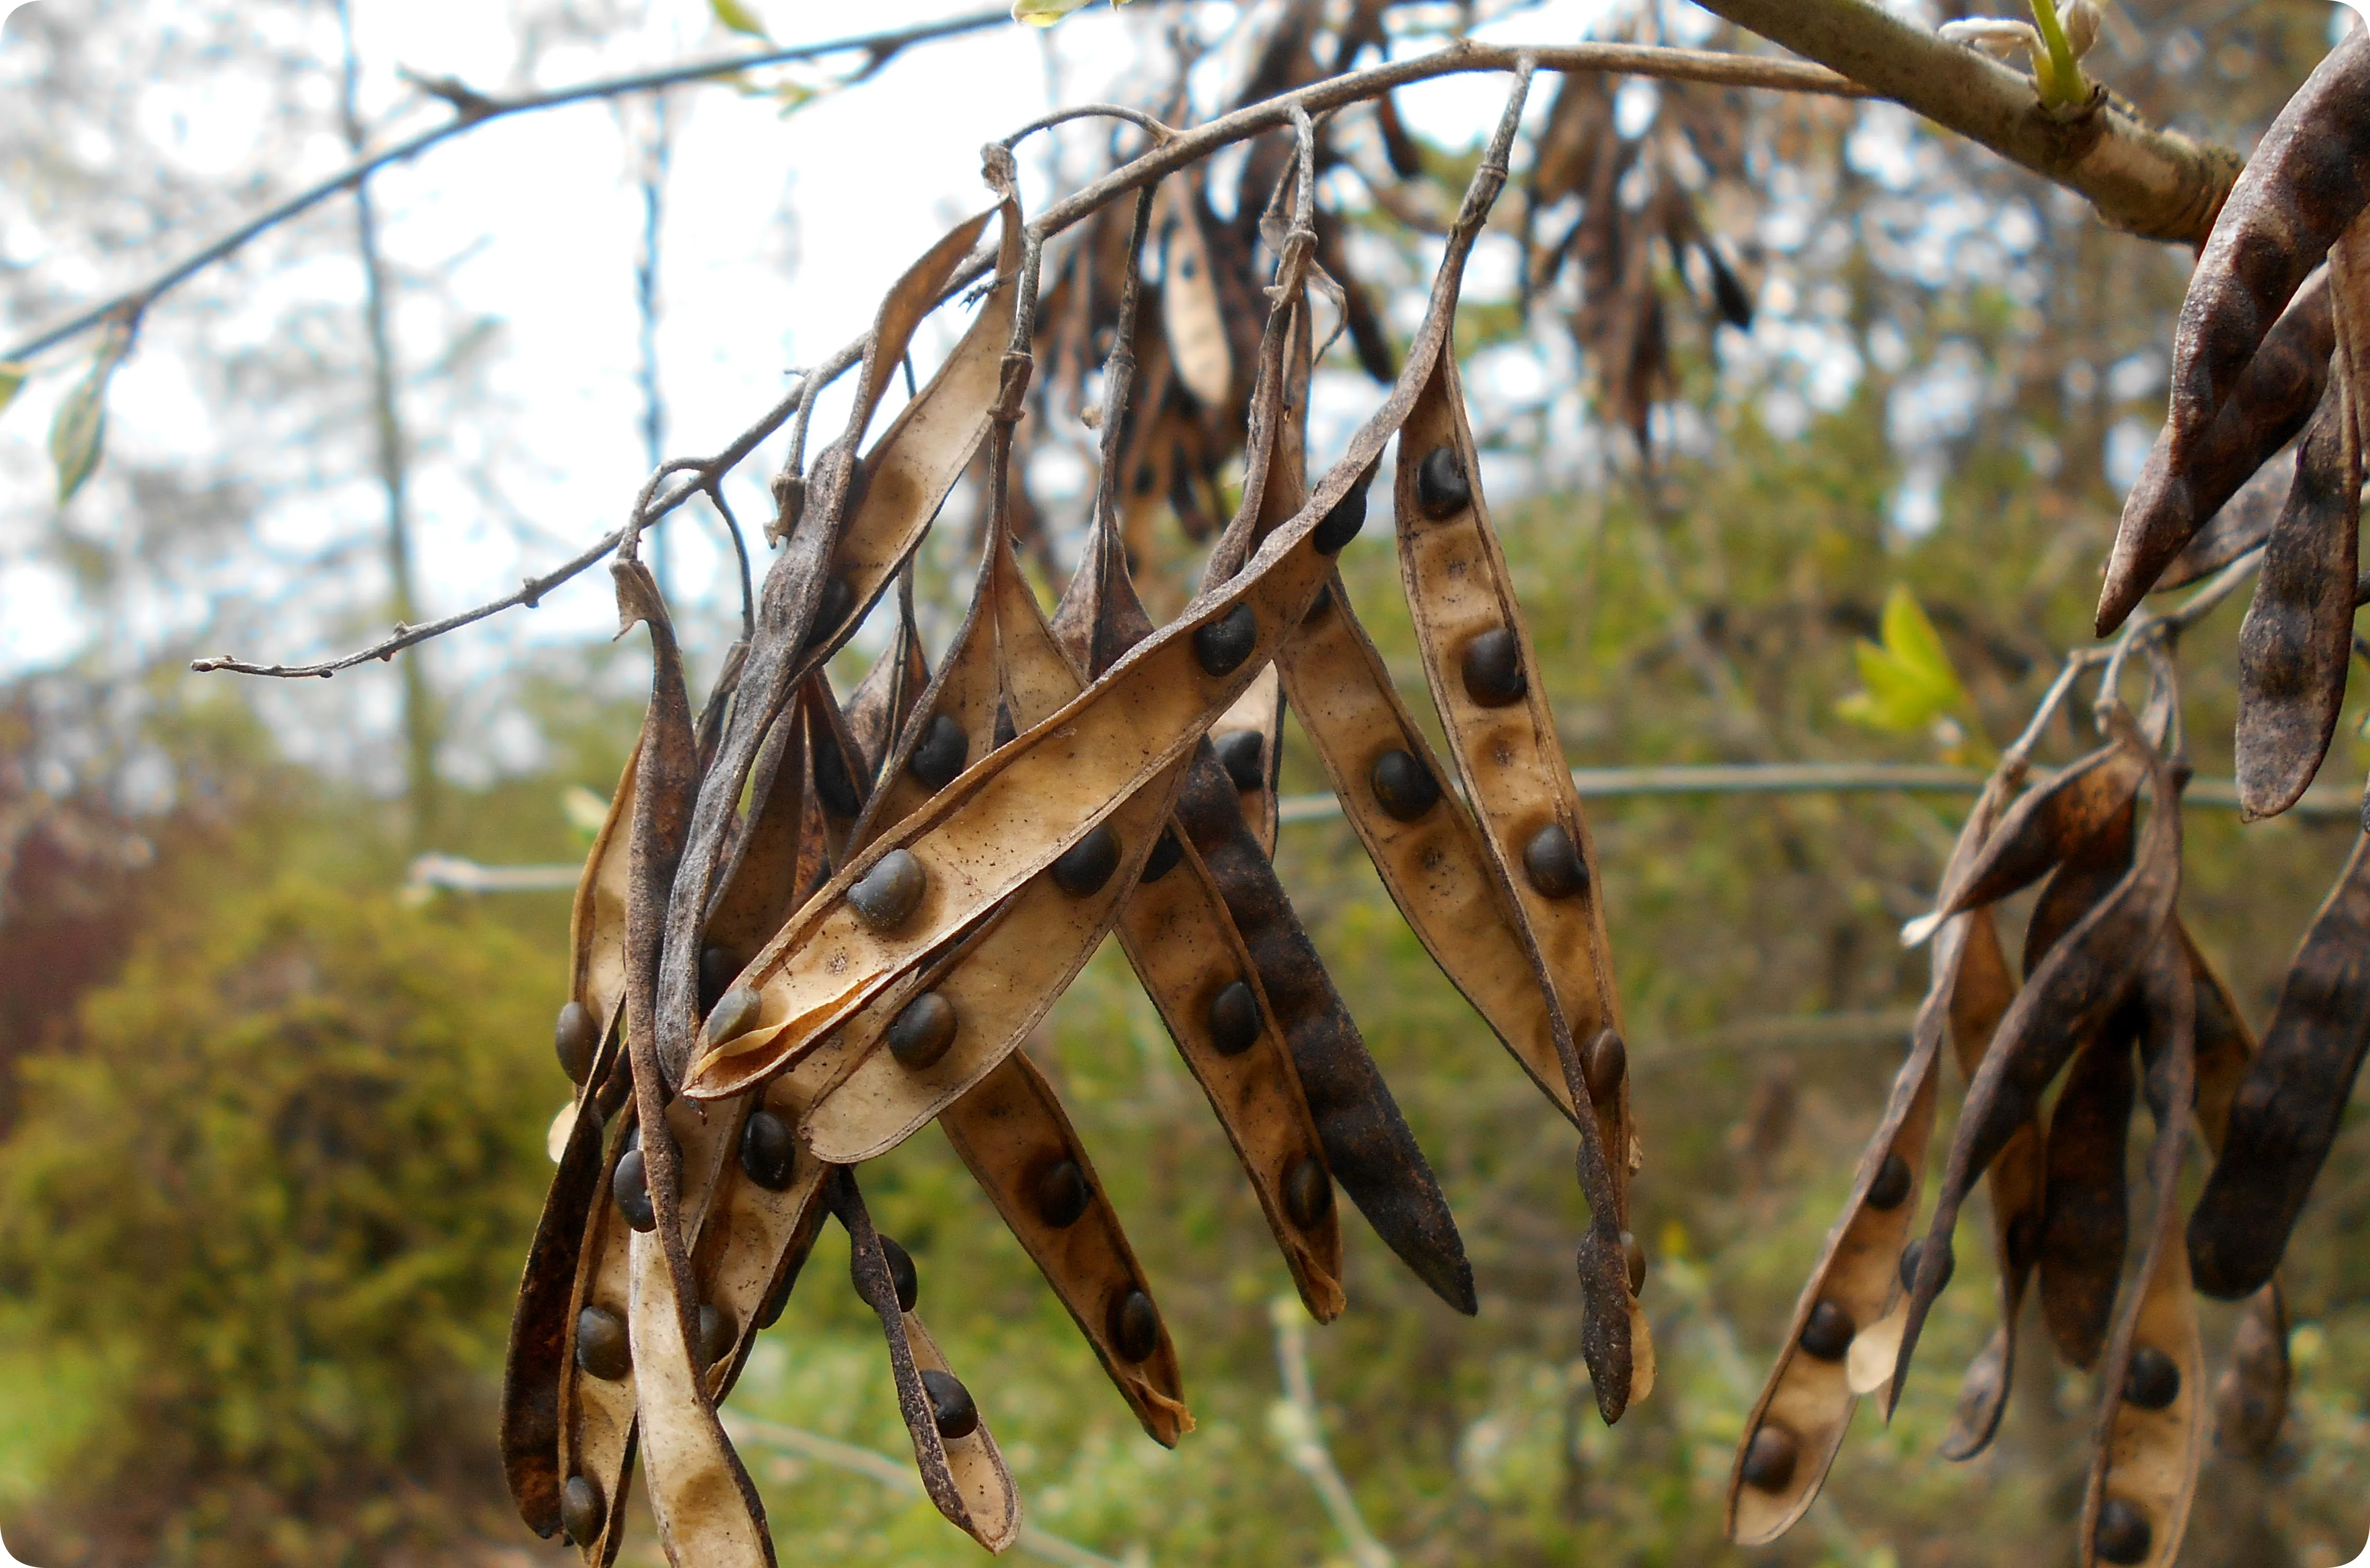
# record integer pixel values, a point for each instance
(1248, 739)
(2242, 524)
(754, 1237)
(2046, 824)
(539, 1348)
(2170, 514)
(1195, 327)
(595, 1415)
(2301, 186)
(2285, 1113)
(1008, 1131)
(2086, 1214)
(2250, 1403)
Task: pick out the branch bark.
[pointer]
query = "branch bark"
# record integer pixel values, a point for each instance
(2157, 184)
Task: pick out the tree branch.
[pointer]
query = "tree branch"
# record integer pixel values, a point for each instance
(472, 110)
(2153, 183)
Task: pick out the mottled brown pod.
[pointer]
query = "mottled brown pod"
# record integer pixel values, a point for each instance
(2086, 1212)
(2046, 823)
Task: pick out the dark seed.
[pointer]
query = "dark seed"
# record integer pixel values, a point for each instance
(581, 1514)
(1084, 866)
(716, 1334)
(1827, 1334)
(601, 1348)
(2122, 1535)
(630, 1185)
(950, 1404)
(1909, 1258)
(887, 894)
(1891, 1188)
(777, 1299)
(1005, 730)
(1061, 1194)
(1222, 645)
(1243, 754)
(1494, 669)
(833, 784)
(1441, 490)
(2154, 1380)
(941, 754)
(2024, 1239)
(1404, 785)
(768, 1154)
(838, 598)
(576, 1039)
(920, 1033)
(1769, 1459)
(1308, 1192)
(1342, 524)
(1553, 863)
(1165, 852)
(1633, 1261)
(901, 1272)
(1234, 1018)
(1604, 1065)
(1134, 1325)
(717, 968)
(736, 1014)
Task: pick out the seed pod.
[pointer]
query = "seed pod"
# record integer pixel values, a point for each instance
(2086, 1217)
(2297, 639)
(2250, 1403)
(1195, 329)
(594, 1414)
(1248, 739)
(2287, 1111)
(2085, 978)
(540, 1332)
(1009, 1130)
(2242, 524)
(2296, 192)
(962, 1470)
(753, 1238)
(2045, 825)
(2170, 513)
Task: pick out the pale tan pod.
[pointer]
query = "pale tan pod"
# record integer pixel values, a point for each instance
(1010, 1130)
(1190, 317)
(1435, 867)
(989, 1496)
(596, 1415)
(760, 883)
(1257, 715)
(596, 928)
(966, 691)
(752, 1237)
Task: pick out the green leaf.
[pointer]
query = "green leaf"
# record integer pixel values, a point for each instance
(1911, 684)
(584, 809)
(79, 430)
(12, 378)
(739, 17)
(1045, 12)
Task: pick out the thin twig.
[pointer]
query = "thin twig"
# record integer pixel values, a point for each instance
(1151, 127)
(473, 109)
(1294, 1423)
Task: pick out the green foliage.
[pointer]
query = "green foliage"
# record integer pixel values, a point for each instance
(78, 430)
(1911, 684)
(11, 381)
(739, 17)
(259, 1226)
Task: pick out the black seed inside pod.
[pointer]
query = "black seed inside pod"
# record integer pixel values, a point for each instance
(581, 1514)
(921, 1032)
(1222, 645)
(887, 894)
(1769, 1459)
(1552, 862)
(1911, 1254)
(1604, 1065)
(1494, 669)
(1242, 752)
(1342, 524)
(1318, 605)
(601, 1348)
(1633, 1262)
(734, 1015)
(776, 1299)
(1166, 850)
(1234, 1018)
(717, 967)
(838, 598)
(950, 1404)
(2122, 1535)
(2154, 1380)
(901, 1272)
(768, 1154)
(576, 1039)
(716, 1333)
(1441, 490)
(629, 1183)
(1827, 1332)
(1308, 1192)
(832, 785)
(1134, 1325)
(1082, 869)
(1061, 1195)
(941, 754)
(1891, 1188)
(1404, 785)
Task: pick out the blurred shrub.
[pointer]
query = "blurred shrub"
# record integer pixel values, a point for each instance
(260, 1224)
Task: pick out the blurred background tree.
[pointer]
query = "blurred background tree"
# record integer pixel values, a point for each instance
(273, 1129)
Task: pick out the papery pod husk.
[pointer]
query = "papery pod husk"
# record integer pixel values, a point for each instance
(2251, 1403)
(2242, 524)
(2296, 643)
(2047, 824)
(1809, 1397)
(596, 1415)
(539, 1348)
(2302, 186)
(761, 884)
(2148, 1459)
(754, 1242)
(2086, 1211)
(877, 710)
(2071, 993)
(1190, 317)
(1258, 715)
(1009, 1130)
(1013, 813)
(2170, 516)
(965, 1477)
(2288, 1106)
